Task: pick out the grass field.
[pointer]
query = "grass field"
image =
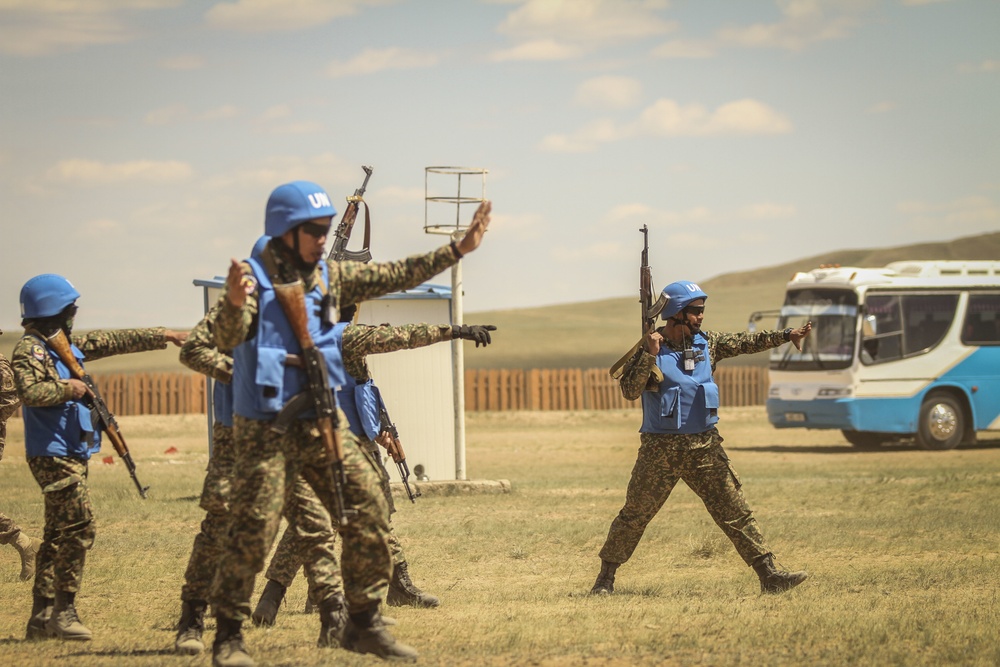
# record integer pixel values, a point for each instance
(901, 545)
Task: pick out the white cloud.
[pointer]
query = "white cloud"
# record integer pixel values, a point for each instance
(685, 48)
(225, 112)
(166, 115)
(609, 92)
(281, 15)
(34, 28)
(882, 107)
(396, 193)
(768, 211)
(965, 215)
(918, 3)
(564, 29)
(92, 172)
(539, 49)
(986, 66)
(804, 22)
(595, 252)
(370, 61)
(658, 217)
(185, 62)
(667, 118)
(98, 227)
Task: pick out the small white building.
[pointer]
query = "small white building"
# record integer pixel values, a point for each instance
(417, 385)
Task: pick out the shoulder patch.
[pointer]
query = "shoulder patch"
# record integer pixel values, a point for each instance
(249, 283)
(38, 352)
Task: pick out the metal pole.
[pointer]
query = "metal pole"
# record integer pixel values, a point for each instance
(458, 365)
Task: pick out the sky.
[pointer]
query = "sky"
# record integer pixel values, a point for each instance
(141, 138)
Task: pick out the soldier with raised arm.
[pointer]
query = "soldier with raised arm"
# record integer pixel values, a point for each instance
(271, 368)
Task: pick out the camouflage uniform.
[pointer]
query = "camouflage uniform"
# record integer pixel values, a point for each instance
(9, 403)
(698, 459)
(267, 463)
(69, 526)
(200, 354)
(359, 342)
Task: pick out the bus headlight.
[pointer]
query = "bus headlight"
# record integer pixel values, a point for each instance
(833, 392)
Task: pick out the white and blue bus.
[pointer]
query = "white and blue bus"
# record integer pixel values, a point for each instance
(911, 350)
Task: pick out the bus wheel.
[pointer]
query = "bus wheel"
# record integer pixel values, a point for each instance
(865, 439)
(941, 424)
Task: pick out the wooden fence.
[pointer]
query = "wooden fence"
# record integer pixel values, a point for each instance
(493, 389)
(151, 393)
(590, 389)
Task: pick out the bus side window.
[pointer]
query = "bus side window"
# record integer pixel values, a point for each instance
(982, 320)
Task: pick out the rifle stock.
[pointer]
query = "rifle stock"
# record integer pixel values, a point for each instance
(60, 343)
(292, 298)
(342, 234)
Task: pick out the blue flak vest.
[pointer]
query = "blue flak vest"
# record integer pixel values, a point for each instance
(687, 401)
(262, 383)
(360, 402)
(222, 402)
(66, 429)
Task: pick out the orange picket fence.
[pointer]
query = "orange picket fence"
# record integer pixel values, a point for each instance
(588, 389)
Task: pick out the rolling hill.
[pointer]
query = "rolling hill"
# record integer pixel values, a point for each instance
(595, 333)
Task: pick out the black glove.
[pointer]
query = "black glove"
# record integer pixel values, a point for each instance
(477, 332)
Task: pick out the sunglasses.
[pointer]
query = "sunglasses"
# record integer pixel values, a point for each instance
(694, 310)
(315, 230)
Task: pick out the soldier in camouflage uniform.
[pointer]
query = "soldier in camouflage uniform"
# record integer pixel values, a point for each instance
(358, 342)
(200, 354)
(59, 438)
(251, 322)
(10, 532)
(679, 440)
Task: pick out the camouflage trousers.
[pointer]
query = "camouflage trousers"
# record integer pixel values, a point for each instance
(69, 524)
(8, 529)
(264, 482)
(215, 501)
(293, 552)
(707, 471)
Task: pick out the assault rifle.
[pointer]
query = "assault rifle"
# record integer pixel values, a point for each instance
(343, 234)
(105, 421)
(317, 394)
(395, 449)
(649, 310)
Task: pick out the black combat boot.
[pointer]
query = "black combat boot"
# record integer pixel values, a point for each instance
(64, 622)
(267, 607)
(366, 633)
(773, 580)
(605, 584)
(190, 627)
(402, 592)
(228, 649)
(332, 622)
(41, 612)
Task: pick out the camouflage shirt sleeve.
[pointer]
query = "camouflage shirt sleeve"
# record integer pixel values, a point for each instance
(35, 375)
(9, 401)
(233, 324)
(109, 342)
(200, 354)
(361, 340)
(637, 374)
(725, 345)
(354, 282)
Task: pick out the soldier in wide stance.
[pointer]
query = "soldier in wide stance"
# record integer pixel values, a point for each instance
(268, 358)
(361, 401)
(59, 439)
(679, 440)
(10, 532)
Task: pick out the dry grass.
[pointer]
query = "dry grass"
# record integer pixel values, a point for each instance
(901, 545)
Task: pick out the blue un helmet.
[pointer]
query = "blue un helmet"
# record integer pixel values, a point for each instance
(258, 247)
(680, 294)
(46, 295)
(292, 204)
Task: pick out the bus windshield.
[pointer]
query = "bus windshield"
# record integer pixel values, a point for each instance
(834, 315)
